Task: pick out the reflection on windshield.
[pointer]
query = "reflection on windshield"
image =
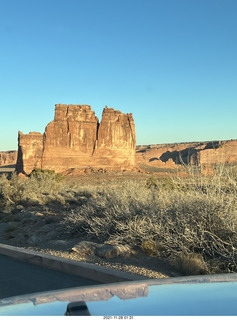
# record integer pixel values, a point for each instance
(203, 298)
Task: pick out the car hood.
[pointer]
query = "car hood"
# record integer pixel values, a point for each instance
(196, 295)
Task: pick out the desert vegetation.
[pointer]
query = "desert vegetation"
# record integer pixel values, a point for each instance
(189, 221)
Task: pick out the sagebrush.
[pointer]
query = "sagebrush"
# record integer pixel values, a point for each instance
(170, 217)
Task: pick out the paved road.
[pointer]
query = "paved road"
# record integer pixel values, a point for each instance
(17, 277)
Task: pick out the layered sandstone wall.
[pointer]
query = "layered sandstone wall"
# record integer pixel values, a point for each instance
(194, 153)
(30, 149)
(76, 139)
(8, 158)
(226, 152)
(116, 143)
(69, 140)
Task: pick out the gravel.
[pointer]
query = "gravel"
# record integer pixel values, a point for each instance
(140, 265)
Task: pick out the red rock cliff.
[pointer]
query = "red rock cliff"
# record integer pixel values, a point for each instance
(75, 139)
(30, 148)
(69, 140)
(225, 152)
(116, 141)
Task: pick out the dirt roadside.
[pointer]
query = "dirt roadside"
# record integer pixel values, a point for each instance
(40, 230)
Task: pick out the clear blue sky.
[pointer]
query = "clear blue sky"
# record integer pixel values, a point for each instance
(172, 63)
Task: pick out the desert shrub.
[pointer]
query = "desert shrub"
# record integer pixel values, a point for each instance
(150, 247)
(12, 191)
(191, 264)
(151, 183)
(9, 230)
(41, 175)
(165, 183)
(105, 213)
(170, 217)
(195, 216)
(39, 188)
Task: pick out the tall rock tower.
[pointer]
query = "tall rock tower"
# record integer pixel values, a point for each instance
(69, 140)
(75, 139)
(116, 141)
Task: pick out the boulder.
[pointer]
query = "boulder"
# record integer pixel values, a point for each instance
(113, 251)
(85, 248)
(102, 250)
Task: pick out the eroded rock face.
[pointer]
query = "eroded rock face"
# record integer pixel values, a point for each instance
(116, 141)
(30, 149)
(225, 152)
(8, 158)
(69, 140)
(174, 156)
(75, 139)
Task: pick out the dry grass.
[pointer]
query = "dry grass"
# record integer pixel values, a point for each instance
(191, 264)
(189, 221)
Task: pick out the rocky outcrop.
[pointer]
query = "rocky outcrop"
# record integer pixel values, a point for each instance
(173, 156)
(30, 148)
(76, 140)
(224, 152)
(116, 143)
(8, 158)
(75, 143)
(69, 140)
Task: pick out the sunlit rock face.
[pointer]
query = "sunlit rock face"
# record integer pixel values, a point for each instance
(116, 143)
(174, 156)
(76, 139)
(8, 158)
(69, 140)
(224, 152)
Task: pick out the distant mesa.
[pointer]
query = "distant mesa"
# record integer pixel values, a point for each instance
(175, 155)
(76, 140)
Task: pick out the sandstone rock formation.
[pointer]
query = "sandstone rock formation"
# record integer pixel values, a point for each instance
(8, 158)
(173, 156)
(75, 143)
(76, 139)
(30, 148)
(223, 152)
(69, 140)
(116, 143)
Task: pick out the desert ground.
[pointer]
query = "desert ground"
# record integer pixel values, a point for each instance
(152, 225)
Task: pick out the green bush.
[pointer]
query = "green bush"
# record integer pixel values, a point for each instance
(40, 175)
